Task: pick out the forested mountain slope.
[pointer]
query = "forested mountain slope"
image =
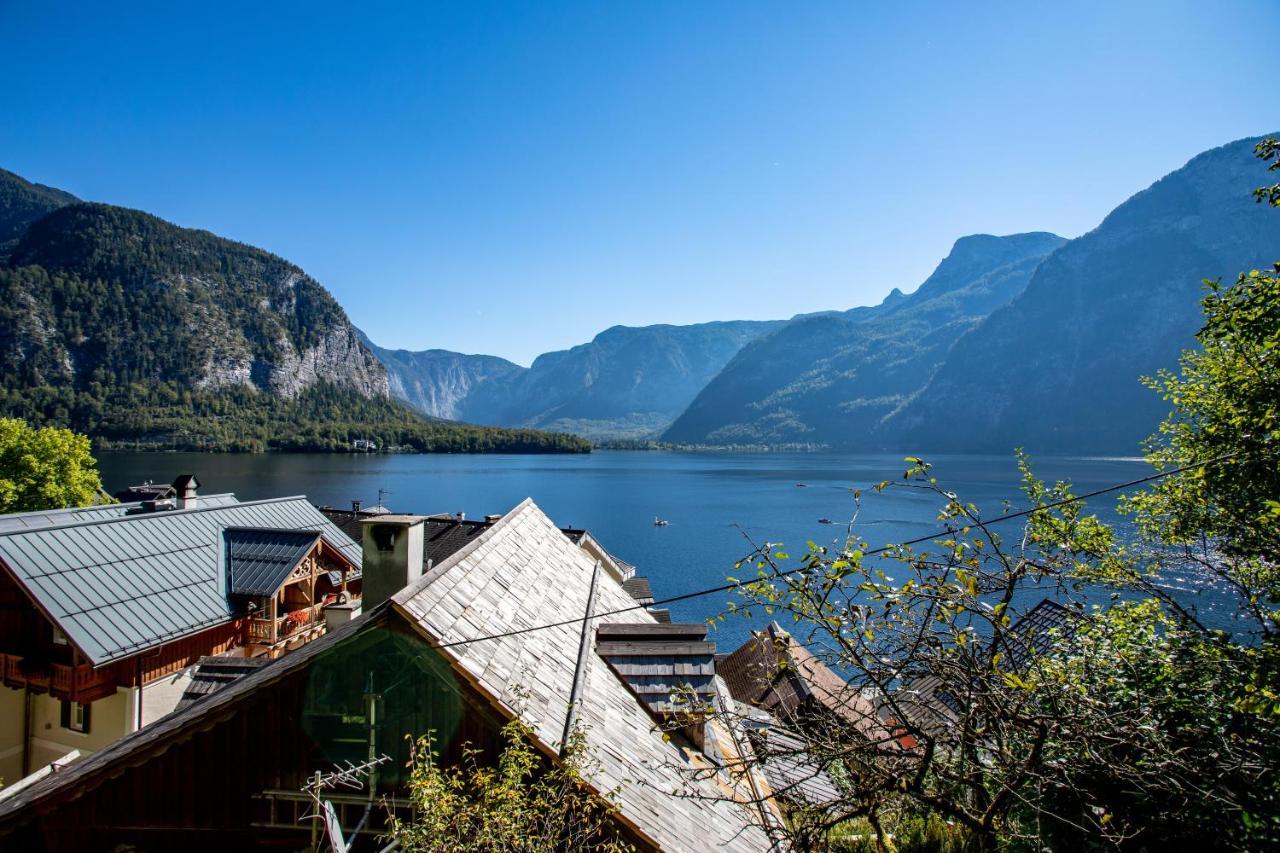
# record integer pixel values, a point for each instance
(127, 327)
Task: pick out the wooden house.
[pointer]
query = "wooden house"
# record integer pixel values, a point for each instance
(104, 611)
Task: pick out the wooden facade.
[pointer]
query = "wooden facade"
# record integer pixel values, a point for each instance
(232, 778)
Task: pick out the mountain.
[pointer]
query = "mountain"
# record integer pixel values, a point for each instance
(122, 325)
(22, 203)
(626, 383)
(1057, 369)
(437, 382)
(830, 378)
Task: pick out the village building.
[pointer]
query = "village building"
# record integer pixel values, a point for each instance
(775, 672)
(107, 612)
(518, 621)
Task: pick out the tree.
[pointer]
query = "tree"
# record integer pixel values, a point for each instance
(1124, 723)
(519, 804)
(47, 468)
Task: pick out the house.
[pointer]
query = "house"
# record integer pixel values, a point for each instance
(775, 672)
(502, 627)
(929, 701)
(105, 610)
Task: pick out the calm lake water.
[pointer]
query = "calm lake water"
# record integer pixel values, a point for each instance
(712, 501)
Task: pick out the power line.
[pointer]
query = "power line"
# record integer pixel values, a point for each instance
(729, 587)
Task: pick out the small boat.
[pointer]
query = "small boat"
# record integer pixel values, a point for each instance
(825, 520)
(659, 522)
(802, 485)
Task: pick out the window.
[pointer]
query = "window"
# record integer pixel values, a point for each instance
(75, 717)
(59, 638)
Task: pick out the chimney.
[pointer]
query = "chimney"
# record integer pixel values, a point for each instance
(393, 552)
(185, 491)
(492, 519)
(355, 506)
(460, 516)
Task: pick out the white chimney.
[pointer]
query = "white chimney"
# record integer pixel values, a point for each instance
(392, 559)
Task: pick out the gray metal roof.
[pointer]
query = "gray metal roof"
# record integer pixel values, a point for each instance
(118, 585)
(77, 515)
(259, 560)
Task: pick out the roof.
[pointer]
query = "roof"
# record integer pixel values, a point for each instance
(523, 572)
(214, 673)
(1036, 630)
(119, 584)
(657, 660)
(441, 537)
(259, 561)
(445, 535)
(774, 671)
(638, 588)
(77, 515)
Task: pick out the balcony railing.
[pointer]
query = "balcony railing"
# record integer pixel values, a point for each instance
(288, 626)
(62, 681)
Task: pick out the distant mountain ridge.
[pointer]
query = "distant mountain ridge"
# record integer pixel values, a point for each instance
(627, 382)
(437, 382)
(22, 203)
(1057, 370)
(831, 378)
(132, 329)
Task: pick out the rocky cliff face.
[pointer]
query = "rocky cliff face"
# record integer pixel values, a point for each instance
(1058, 369)
(831, 378)
(438, 382)
(114, 296)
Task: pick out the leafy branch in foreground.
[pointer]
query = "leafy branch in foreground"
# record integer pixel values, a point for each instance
(518, 804)
(1123, 721)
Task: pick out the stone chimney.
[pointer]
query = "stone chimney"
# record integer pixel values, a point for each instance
(393, 551)
(185, 491)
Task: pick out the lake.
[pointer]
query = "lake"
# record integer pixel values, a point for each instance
(713, 501)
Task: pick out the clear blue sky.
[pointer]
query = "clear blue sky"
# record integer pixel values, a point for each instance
(514, 178)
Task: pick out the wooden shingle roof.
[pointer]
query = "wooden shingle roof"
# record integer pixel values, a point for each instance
(775, 672)
(524, 572)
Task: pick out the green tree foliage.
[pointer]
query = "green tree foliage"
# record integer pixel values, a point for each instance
(46, 468)
(519, 805)
(1131, 725)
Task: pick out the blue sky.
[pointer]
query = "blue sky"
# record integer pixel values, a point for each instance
(514, 178)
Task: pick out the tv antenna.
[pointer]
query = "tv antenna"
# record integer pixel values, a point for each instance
(350, 776)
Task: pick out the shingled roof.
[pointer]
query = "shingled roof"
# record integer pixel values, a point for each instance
(775, 672)
(119, 582)
(524, 572)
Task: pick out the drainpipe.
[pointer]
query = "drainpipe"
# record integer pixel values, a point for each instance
(26, 729)
(138, 666)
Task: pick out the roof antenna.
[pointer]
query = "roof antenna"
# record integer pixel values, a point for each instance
(381, 493)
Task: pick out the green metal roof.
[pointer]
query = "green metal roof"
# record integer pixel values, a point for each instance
(121, 584)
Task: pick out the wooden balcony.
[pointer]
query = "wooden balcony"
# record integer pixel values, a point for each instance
(294, 625)
(61, 681)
